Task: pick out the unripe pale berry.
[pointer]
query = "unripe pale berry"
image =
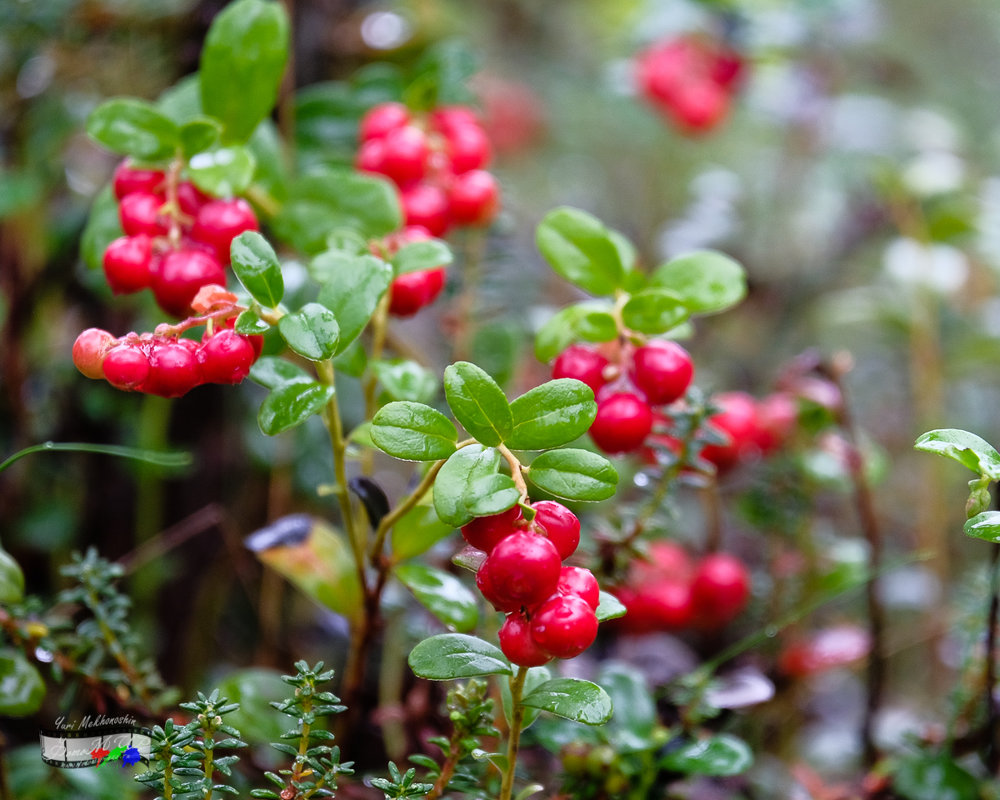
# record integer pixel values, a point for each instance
(89, 350)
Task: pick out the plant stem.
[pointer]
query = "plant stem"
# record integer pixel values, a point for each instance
(379, 324)
(514, 735)
(402, 508)
(992, 752)
(516, 470)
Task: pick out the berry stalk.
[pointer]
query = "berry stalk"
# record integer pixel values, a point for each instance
(514, 735)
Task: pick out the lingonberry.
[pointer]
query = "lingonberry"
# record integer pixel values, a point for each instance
(524, 568)
(720, 589)
(564, 625)
(220, 221)
(823, 650)
(404, 155)
(622, 424)
(664, 561)
(560, 525)
(371, 156)
(128, 180)
(127, 263)
(700, 105)
(447, 118)
(662, 370)
(483, 533)
(777, 415)
(89, 350)
(226, 357)
(467, 146)
(181, 274)
(426, 204)
(583, 363)
(517, 644)
(126, 367)
(381, 119)
(663, 606)
(737, 419)
(139, 212)
(173, 369)
(190, 198)
(474, 198)
(499, 601)
(581, 582)
(411, 291)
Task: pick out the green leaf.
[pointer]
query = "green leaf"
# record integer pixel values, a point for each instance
(182, 101)
(242, 64)
(352, 288)
(21, 687)
(455, 479)
(704, 280)
(552, 414)
(934, 777)
(477, 402)
(985, 526)
(413, 432)
(491, 494)
(133, 128)
(312, 331)
(582, 250)
(654, 311)
(631, 729)
(272, 372)
(103, 227)
(444, 595)
(442, 76)
(717, 756)
(249, 323)
(403, 379)
(574, 474)
(591, 321)
(198, 135)
(456, 655)
(292, 404)
(418, 530)
(610, 607)
(224, 171)
(416, 256)
(352, 360)
(535, 677)
(11, 579)
(966, 448)
(328, 198)
(572, 698)
(256, 265)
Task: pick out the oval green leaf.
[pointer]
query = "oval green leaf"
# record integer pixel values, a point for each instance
(572, 698)
(352, 288)
(456, 655)
(292, 404)
(312, 332)
(574, 474)
(21, 687)
(966, 448)
(591, 321)
(413, 431)
(249, 323)
(272, 372)
(490, 495)
(454, 482)
(934, 777)
(478, 402)
(256, 265)
(11, 579)
(717, 756)
(985, 526)
(582, 250)
(552, 414)
(418, 530)
(223, 172)
(654, 311)
(403, 379)
(705, 280)
(609, 607)
(133, 128)
(444, 595)
(416, 256)
(198, 135)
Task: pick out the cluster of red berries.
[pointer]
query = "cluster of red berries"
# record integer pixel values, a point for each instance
(669, 593)
(551, 608)
(823, 650)
(411, 291)
(654, 374)
(690, 80)
(167, 365)
(177, 238)
(437, 160)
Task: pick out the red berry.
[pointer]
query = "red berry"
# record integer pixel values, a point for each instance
(221, 221)
(89, 350)
(777, 415)
(664, 561)
(411, 291)
(662, 370)
(426, 205)
(173, 369)
(499, 600)
(580, 582)
(226, 357)
(561, 526)
(720, 589)
(190, 198)
(483, 533)
(404, 155)
(524, 568)
(381, 119)
(128, 180)
(474, 198)
(127, 263)
(663, 606)
(823, 650)
(737, 419)
(447, 118)
(517, 644)
(468, 147)
(582, 363)
(661, 69)
(564, 625)
(700, 105)
(182, 273)
(623, 422)
(126, 367)
(139, 212)
(371, 156)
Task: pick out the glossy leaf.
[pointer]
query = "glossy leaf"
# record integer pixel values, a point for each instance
(444, 595)
(574, 474)
(415, 256)
(716, 756)
(459, 473)
(456, 655)
(403, 379)
(21, 686)
(552, 414)
(654, 311)
(413, 431)
(591, 321)
(133, 128)
(372, 497)
(198, 135)
(272, 372)
(705, 280)
(418, 530)
(11, 579)
(292, 404)
(249, 323)
(103, 227)
(535, 677)
(256, 265)
(490, 495)
(631, 728)
(312, 331)
(572, 698)
(242, 63)
(610, 607)
(934, 777)
(966, 448)
(582, 250)
(985, 526)
(442, 76)
(477, 402)
(352, 288)
(223, 172)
